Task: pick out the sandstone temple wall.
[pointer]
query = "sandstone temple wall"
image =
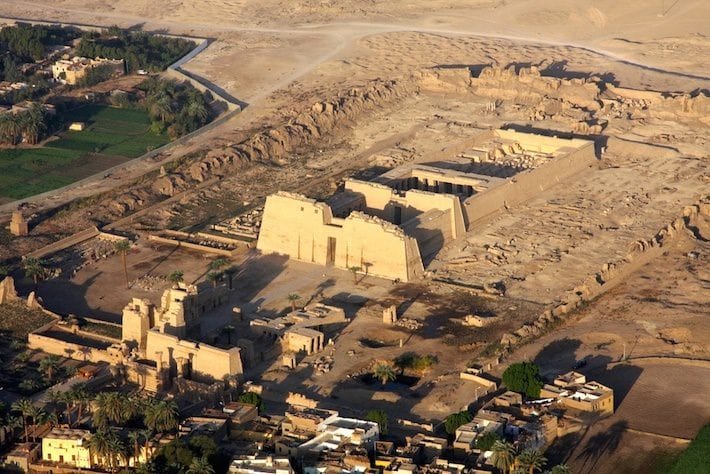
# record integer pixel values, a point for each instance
(527, 184)
(306, 230)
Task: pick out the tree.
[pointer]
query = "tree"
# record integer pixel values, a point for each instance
(453, 421)
(35, 414)
(218, 264)
(561, 469)
(113, 407)
(214, 278)
(200, 465)
(523, 377)
(122, 247)
(354, 270)
(24, 407)
(161, 416)
(486, 441)
(80, 397)
(531, 460)
(379, 417)
(178, 276)
(106, 446)
(134, 437)
(252, 399)
(292, 298)
(34, 268)
(384, 372)
(49, 365)
(503, 456)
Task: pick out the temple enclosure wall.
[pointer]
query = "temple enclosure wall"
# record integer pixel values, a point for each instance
(577, 155)
(306, 230)
(399, 207)
(207, 362)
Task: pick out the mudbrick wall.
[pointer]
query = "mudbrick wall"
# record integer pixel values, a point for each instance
(642, 252)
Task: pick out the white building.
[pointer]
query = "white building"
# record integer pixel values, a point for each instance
(261, 465)
(336, 431)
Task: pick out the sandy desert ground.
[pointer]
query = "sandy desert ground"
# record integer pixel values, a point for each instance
(280, 58)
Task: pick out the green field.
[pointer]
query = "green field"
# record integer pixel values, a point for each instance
(112, 137)
(696, 458)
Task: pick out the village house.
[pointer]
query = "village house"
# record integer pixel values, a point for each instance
(72, 70)
(573, 391)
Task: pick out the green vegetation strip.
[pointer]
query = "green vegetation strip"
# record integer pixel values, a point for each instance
(696, 458)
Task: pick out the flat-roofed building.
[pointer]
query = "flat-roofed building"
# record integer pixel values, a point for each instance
(67, 446)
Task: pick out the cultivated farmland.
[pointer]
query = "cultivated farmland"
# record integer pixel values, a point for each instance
(112, 136)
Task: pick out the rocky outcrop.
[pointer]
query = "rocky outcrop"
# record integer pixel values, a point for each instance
(7, 290)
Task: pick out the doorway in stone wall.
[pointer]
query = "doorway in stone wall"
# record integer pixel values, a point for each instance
(330, 255)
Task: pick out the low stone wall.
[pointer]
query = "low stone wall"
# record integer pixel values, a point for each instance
(67, 349)
(190, 245)
(65, 243)
(612, 273)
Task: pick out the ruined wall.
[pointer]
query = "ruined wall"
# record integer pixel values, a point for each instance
(381, 201)
(207, 362)
(526, 86)
(529, 183)
(305, 230)
(684, 104)
(642, 252)
(61, 348)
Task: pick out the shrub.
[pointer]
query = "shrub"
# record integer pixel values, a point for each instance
(523, 377)
(379, 417)
(486, 441)
(413, 361)
(455, 420)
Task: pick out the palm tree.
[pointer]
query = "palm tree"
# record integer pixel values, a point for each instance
(200, 465)
(230, 272)
(214, 278)
(218, 263)
(134, 437)
(384, 372)
(161, 416)
(292, 298)
(103, 445)
(35, 413)
(34, 268)
(24, 407)
(162, 106)
(560, 469)
(176, 277)
(122, 247)
(503, 456)
(196, 108)
(532, 460)
(49, 365)
(81, 397)
(354, 269)
(85, 351)
(112, 407)
(13, 422)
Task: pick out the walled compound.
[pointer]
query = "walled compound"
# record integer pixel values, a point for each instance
(391, 226)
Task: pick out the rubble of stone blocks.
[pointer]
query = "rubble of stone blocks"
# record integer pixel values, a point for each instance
(408, 323)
